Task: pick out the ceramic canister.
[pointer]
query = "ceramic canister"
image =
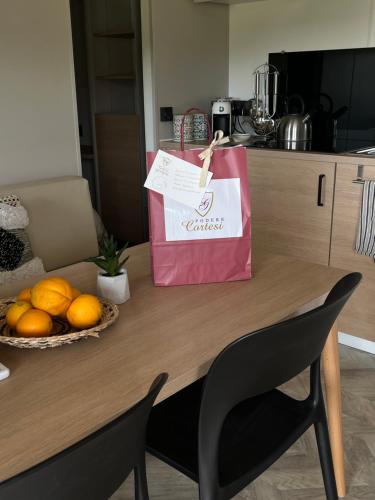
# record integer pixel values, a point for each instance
(200, 128)
(188, 127)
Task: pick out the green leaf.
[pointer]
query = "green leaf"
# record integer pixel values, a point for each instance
(123, 248)
(123, 262)
(103, 265)
(93, 259)
(109, 256)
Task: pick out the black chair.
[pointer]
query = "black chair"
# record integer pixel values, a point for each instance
(94, 468)
(228, 428)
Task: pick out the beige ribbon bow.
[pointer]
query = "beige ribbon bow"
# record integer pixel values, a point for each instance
(206, 155)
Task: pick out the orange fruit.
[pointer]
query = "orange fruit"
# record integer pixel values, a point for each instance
(25, 295)
(15, 311)
(84, 312)
(34, 323)
(76, 293)
(52, 295)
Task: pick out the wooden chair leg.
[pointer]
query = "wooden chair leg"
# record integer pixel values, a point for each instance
(331, 369)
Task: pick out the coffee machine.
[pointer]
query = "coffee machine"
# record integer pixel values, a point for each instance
(222, 115)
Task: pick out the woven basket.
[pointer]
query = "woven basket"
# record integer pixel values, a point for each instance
(62, 332)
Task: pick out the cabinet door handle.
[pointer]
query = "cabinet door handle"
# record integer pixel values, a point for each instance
(320, 190)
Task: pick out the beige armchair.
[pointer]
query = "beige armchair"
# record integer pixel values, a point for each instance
(62, 228)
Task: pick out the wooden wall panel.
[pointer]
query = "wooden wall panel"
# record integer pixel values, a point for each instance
(120, 175)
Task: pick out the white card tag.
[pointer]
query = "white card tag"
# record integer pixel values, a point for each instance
(219, 214)
(178, 179)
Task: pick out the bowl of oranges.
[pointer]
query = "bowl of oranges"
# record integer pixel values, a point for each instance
(53, 313)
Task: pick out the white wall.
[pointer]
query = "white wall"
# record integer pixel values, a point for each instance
(189, 55)
(149, 91)
(293, 25)
(38, 122)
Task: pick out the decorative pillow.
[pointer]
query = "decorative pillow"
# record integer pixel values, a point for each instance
(16, 257)
(13, 217)
(32, 268)
(11, 199)
(15, 249)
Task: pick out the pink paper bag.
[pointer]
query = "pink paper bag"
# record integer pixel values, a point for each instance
(213, 243)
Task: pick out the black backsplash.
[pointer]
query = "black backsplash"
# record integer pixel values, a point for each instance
(331, 81)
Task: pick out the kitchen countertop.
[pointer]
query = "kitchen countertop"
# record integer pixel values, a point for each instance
(342, 158)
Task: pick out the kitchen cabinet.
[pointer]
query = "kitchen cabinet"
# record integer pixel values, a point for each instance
(358, 317)
(287, 216)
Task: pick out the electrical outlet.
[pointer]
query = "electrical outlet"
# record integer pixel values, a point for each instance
(166, 114)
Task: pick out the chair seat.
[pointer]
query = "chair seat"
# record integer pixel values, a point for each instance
(255, 430)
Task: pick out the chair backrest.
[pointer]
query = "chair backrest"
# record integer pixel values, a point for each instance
(257, 363)
(95, 467)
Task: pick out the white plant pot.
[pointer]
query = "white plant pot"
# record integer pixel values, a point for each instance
(114, 288)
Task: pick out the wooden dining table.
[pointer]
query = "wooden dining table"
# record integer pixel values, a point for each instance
(55, 397)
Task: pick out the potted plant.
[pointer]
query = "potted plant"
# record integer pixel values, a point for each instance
(113, 283)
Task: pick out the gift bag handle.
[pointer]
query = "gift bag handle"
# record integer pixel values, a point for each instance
(182, 130)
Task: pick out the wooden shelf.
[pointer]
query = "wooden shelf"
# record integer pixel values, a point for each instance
(115, 34)
(115, 77)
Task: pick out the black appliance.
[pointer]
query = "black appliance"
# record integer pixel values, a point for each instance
(222, 115)
(226, 113)
(337, 87)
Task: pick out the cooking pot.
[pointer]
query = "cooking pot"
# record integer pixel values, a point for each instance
(295, 129)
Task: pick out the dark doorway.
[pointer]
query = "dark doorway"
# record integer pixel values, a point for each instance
(108, 70)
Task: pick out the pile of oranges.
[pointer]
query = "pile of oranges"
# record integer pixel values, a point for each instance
(32, 314)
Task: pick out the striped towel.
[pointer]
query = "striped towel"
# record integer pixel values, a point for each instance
(365, 244)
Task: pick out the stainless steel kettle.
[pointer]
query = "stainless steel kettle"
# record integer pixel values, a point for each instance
(295, 129)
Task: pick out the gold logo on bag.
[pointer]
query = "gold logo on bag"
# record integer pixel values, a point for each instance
(206, 204)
